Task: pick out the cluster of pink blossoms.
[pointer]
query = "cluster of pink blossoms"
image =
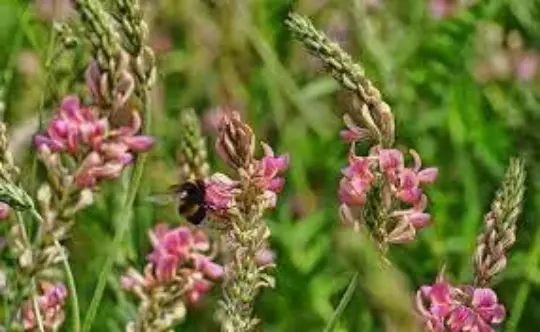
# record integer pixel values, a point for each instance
(221, 190)
(448, 308)
(178, 257)
(405, 187)
(267, 174)
(102, 152)
(50, 302)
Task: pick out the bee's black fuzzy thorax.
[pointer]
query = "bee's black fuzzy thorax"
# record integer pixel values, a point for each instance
(192, 201)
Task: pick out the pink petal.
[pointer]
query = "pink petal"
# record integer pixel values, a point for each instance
(428, 175)
(276, 185)
(139, 143)
(390, 159)
(410, 196)
(418, 220)
(461, 319)
(484, 297)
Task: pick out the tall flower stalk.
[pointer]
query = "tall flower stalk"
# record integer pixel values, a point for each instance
(121, 75)
(381, 196)
(178, 274)
(237, 207)
(192, 154)
(475, 307)
(500, 225)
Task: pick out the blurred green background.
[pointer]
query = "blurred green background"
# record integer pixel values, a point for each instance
(462, 77)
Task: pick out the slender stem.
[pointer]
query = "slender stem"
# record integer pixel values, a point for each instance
(345, 299)
(524, 288)
(123, 223)
(35, 305)
(74, 299)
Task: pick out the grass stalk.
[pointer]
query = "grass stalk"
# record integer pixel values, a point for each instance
(343, 303)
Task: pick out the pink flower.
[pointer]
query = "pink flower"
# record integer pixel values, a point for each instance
(462, 308)
(50, 301)
(356, 181)
(442, 8)
(527, 66)
(401, 187)
(4, 211)
(220, 191)
(265, 257)
(79, 132)
(391, 160)
(269, 169)
(352, 191)
(178, 256)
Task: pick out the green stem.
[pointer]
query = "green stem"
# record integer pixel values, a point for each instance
(345, 299)
(74, 299)
(35, 305)
(524, 288)
(123, 223)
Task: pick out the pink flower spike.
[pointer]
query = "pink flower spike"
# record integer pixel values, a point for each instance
(427, 175)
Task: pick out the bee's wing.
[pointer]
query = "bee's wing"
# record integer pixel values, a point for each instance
(166, 197)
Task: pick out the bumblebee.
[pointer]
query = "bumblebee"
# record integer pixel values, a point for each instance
(190, 197)
(191, 203)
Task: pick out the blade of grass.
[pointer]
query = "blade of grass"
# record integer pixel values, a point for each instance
(345, 299)
(524, 288)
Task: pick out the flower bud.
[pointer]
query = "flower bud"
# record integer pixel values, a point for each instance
(236, 142)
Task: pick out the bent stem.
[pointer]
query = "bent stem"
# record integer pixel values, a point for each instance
(345, 299)
(122, 222)
(35, 305)
(74, 299)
